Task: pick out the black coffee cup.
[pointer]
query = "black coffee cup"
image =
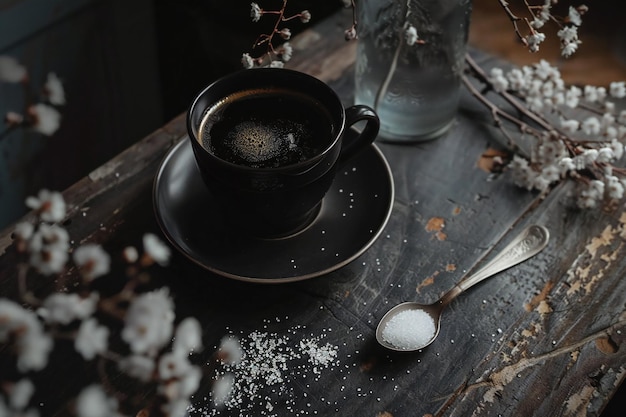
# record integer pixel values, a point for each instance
(267, 142)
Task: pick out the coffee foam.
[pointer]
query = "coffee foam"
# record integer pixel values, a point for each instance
(265, 128)
(255, 142)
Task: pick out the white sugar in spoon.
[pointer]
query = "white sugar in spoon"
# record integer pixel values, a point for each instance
(411, 326)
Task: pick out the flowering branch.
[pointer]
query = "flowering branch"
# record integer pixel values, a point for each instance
(538, 16)
(576, 133)
(43, 117)
(565, 146)
(351, 32)
(273, 56)
(152, 350)
(409, 35)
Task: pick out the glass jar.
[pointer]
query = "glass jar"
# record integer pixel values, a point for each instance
(410, 58)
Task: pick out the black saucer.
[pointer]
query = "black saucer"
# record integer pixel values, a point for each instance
(353, 214)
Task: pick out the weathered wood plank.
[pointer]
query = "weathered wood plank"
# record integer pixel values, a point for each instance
(543, 338)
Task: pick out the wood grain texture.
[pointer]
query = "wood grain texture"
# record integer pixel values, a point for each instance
(541, 339)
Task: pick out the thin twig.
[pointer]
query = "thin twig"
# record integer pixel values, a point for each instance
(514, 20)
(394, 62)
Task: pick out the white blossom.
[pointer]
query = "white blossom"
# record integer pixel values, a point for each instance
(551, 173)
(92, 260)
(572, 96)
(130, 253)
(590, 195)
(569, 48)
(11, 70)
(158, 251)
(591, 126)
(545, 71)
(188, 336)
(247, 61)
(544, 13)
(596, 187)
(585, 201)
(138, 366)
(230, 351)
(54, 90)
(305, 16)
(49, 261)
(45, 119)
(22, 327)
(24, 230)
(589, 156)
(534, 40)
(285, 33)
(537, 23)
(184, 378)
(594, 94)
(175, 408)
(613, 187)
(13, 119)
(569, 40)
(574, 16)
(605, 155)
(50, 205)
(34, 348)
(149, 322)
(540, 183)
(498, 81)
(221, 388)
(277, 64)
(570, 126)
(549, 151)
(618, 148)
(64, 308)
(173, 365)
(521, 172)
(568, 34)
(410, 35)
(93, 402)
(92, 339)
(50, 236)
(48, 247)
(21, 393)
(517, 79)
(256, 12)
(567, 164)
(535, 103)
(547, 90)
(607, 121)
(350, 34)
(617, 89)
(286, 51)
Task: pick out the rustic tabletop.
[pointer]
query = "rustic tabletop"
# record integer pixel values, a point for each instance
(542, 338)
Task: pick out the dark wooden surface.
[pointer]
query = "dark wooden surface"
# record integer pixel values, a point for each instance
(541, 339)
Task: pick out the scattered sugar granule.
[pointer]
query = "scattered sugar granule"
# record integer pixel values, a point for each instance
(319, 356)
(271, 365)
(409, 329)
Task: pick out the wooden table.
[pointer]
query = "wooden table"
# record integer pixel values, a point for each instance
(543, 338)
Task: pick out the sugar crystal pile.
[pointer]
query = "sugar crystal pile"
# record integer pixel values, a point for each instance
(409, 329)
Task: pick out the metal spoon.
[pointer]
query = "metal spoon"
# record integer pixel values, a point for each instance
(530, 242)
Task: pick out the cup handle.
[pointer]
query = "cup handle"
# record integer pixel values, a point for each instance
(353, 141)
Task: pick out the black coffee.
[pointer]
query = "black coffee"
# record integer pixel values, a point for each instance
(266, 128)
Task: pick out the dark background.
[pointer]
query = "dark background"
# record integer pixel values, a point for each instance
(128, 67)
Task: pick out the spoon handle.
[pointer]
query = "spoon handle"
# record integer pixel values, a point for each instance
(527, 244)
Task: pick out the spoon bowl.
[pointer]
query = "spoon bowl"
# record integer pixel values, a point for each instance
(412, 326)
